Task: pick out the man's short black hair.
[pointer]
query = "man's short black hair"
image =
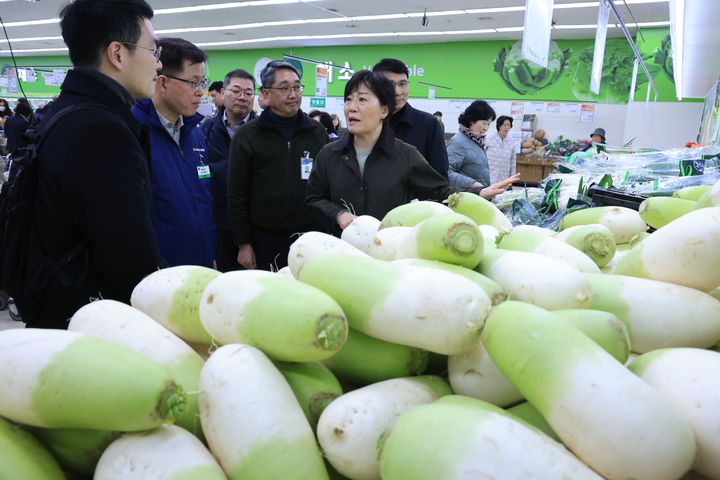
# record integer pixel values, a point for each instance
(89, 26)
(326, 121)
(478, 110)
(383, 88)
(501, 119)
(237, 73)
(438, 113)
(216, 86)
(391, 65)
(23, 109)
(176, 51)
(314, 113)
(267, 76)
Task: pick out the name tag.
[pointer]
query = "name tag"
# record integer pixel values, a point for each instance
(306, 164)
(203, 171)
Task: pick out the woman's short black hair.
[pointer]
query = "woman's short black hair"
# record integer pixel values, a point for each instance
(501, 119)
(478, 110)
(383, 88)
(326, 121)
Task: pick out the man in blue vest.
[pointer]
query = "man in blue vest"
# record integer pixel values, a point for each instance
(181, 173)
(237, 96)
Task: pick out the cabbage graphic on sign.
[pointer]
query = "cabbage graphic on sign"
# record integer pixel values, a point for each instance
(524, 77)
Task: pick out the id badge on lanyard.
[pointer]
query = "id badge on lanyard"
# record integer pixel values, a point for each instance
(306, 163)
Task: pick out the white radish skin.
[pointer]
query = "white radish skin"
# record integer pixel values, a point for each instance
(165, 453)
(361, 232)
(474, 374)
(658, 314)
(533, 242)
(285, 271)
(624, 223)
(536, 279)
(349, 428)
(546, 232)
(312, 244)
(250, 414)
(690, 379)
(387, 241)
(489, 233)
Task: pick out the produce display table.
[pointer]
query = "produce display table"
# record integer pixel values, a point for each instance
(534, 168)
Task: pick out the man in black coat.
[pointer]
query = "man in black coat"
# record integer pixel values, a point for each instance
(419, 129)
(16, 125)
(237, 96)
(94, 196)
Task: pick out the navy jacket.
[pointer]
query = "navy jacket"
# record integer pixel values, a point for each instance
(424, 132)
(218, 140)
(182, 200)
(15, 126)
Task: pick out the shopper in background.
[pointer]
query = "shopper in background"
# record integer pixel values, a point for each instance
(412, 126)
(269, 164)
(180, 171)
(467, 156)
(5, 110)
(500, 150)
(369, 171)
(215, 91)
(93, 207)
(339, 129)
(326, 121)
(540, 137)
(16, 126)
(438, 116)
(597, 137)
(238, 94)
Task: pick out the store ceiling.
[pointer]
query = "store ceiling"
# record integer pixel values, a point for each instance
(329, 22)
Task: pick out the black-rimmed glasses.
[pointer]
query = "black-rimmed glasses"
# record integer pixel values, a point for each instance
(285, 90)
(194, 84)
(156, 51)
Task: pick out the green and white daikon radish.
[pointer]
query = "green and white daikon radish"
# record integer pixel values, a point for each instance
(529, 414)
(412, 213)
(683, 252)
(479, 210)
(545, 232)
(168, 452)
(422, 307)
(63, 379)
(77, 450)
(450, 238)
(710, 198)
(350, 427)
(474, 374)
(456, 441)
(624, 223)
(536, 279)
(658, 314)
(493, 290)
(128, 327)
(691, 193)
(171, 296)
(604, 328)
(285, 271)
(22, 457)
(659, 211)
(253, 423)
(387, 241)
(364, 359)
(361, 232)
(595, 241)
(286, 319)
(489, 233)
(314, 386)
(534, 242)
(589, 398)
(690, 379)
(312, 244)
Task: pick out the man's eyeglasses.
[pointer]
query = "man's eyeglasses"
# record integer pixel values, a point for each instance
(194, 84)
(401, 84)
(285, 90)
(156, 51)
(245, 93)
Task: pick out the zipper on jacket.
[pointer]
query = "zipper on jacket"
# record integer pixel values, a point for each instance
(289, 148)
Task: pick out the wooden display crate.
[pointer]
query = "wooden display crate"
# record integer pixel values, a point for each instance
(534, 169)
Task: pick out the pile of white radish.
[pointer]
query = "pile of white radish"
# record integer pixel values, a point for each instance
(436, 343)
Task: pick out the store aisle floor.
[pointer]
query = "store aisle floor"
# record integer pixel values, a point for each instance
(7, 322)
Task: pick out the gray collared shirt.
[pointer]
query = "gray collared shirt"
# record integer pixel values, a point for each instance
(172, 128)
(228, 126)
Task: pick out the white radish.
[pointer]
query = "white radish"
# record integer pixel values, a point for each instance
(386, 243)
(312, 244)
(361, 232)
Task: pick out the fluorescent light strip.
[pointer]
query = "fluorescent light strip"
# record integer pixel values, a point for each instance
(33, 50)
(220, 6)
(611, 25)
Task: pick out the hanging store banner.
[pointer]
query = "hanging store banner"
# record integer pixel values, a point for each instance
(536, 34)
(599, 53)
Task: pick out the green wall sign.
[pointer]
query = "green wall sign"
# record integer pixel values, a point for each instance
(487, 69)
(317, 102)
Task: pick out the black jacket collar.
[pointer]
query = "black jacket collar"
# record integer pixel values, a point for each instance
(385, 142)
(265, 120)
(86, 81)
(404, 115)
